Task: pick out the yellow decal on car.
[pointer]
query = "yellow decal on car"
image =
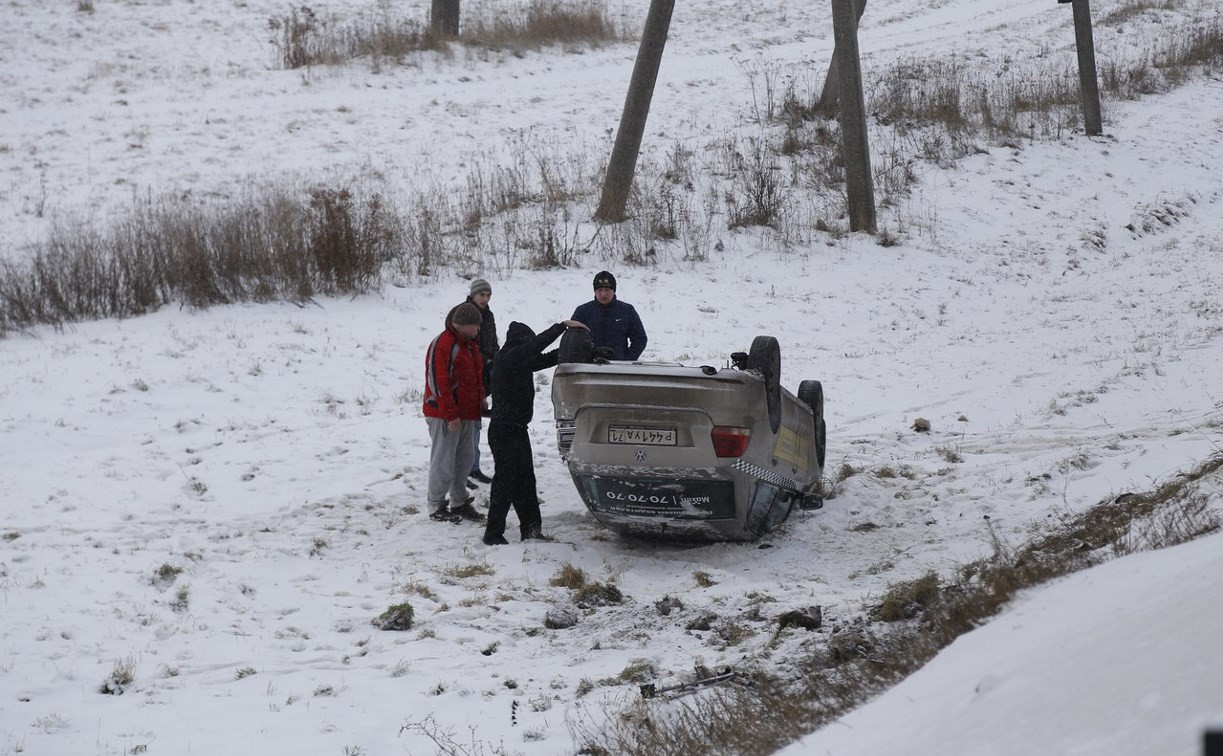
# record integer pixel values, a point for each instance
(793, 448)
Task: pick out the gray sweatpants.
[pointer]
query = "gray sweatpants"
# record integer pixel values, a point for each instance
(449, 461)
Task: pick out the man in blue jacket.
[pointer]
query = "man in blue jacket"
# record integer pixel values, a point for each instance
(613, 323)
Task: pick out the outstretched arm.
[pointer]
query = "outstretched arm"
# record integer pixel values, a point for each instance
(544, 339)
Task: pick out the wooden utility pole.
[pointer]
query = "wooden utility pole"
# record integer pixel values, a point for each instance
(623, 162)
(854, 144)
(444, 18)
(1089, 87)
(828, 95)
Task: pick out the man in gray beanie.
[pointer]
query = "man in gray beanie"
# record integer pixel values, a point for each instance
(479, 294)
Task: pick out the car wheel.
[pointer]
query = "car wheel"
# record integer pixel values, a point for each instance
(821, 442)
(765, 358)
(811, 393)
(576, 346)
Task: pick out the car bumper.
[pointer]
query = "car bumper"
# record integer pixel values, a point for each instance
(724, 504)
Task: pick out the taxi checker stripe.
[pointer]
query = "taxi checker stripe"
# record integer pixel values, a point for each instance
(768, 476)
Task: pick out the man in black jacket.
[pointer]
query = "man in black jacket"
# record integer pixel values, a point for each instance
(481, 292)
(513, 408)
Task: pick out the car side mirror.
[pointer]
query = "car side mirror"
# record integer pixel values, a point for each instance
(810, 502)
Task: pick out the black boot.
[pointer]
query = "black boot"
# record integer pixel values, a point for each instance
(467, 511)
(444, 515)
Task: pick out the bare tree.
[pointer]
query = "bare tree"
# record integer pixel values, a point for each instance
(623, 162)
(444, 18)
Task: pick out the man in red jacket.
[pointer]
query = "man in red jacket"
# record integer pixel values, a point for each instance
(454, 399)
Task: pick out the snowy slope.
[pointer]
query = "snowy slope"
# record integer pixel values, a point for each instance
(276, 454)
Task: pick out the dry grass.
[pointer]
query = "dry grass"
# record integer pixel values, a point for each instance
(940, 109)
(917, 618)
(1132, 10)
(277, 244)
(570, 23)
(303, 37)
(908, 599)
(286, 242)
(396, 617)
(569, 577)
(759, 196)
(529, 210)
(468, 570)
(972, 103)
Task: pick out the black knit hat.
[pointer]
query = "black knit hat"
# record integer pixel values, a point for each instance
(605, 280)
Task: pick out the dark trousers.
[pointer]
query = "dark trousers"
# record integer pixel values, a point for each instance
(514, 483)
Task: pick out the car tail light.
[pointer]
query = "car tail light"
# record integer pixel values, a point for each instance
(565, 431)
(729, 441)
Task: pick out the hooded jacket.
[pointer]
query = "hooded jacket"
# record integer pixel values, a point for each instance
(519, 358)
(454, 382)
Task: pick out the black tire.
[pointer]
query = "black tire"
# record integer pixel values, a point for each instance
(811, 393)
(765, 358)
(576, 346)
(821, 442)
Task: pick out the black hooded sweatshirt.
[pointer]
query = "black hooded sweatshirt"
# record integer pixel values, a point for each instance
(513, 382)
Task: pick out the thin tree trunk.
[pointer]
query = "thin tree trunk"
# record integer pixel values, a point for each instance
(444, 18)
(623, 162)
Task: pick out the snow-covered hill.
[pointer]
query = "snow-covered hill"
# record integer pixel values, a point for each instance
(221, 501)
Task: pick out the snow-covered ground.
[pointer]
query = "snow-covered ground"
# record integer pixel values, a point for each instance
(1054, 311)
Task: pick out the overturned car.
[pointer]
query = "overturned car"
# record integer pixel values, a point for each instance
(669, 451)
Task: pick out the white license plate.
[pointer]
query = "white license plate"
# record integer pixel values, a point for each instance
(618, 434)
